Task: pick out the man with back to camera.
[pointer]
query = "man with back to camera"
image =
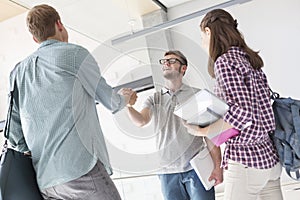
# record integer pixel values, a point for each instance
(178, 180)
(54, 114)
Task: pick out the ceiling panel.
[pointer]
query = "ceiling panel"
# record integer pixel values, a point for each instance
(9, 9)
(102, 20)
(172, 3)
(99, 19)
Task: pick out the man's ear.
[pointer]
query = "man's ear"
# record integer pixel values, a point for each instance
(36, 40)
(59, 25)
(183, 68)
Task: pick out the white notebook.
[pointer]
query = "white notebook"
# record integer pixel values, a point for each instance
(203, 166)
(202, 109)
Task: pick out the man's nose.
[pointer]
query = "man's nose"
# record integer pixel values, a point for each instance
(167, 63)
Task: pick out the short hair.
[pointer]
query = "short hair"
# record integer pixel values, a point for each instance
(41, 21)
(179, 54)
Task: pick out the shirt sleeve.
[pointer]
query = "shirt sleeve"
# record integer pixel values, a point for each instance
(231, 81)
(111, 99)
(90, 77)
(149, 103)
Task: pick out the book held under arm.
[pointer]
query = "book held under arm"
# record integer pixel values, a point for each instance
(202, 109)
(203, 165)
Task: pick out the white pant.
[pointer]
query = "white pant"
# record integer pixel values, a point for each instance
(245, 183)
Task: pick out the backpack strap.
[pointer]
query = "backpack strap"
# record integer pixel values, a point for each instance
(273, 95)
(7, 122)
(8, 117)
(12, 87)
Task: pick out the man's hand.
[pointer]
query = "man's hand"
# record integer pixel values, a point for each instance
(129, 94)
(132, 99)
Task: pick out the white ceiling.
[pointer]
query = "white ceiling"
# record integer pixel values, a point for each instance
(172, 3)
(9, 9)
(100, 19)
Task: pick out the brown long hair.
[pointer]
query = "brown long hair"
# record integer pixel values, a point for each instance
(224, 34)
(41, 21)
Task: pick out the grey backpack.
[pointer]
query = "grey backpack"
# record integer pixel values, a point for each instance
(287, 133)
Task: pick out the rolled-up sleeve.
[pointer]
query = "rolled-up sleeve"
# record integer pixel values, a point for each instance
(231, 81)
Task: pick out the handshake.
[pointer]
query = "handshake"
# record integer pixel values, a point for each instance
(130, 96)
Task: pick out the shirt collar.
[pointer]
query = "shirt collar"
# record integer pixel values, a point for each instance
(165, 90)
(236, 50)
(48, 42)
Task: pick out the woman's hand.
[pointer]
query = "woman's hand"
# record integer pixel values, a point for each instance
(195, 129)
(217, 175)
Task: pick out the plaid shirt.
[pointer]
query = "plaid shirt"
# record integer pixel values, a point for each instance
(246, 92)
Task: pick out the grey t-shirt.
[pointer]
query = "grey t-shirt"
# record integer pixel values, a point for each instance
(175, 145)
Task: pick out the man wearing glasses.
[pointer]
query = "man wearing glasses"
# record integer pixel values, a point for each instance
(176, 147)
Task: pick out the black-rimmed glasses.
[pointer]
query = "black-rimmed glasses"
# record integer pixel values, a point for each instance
(170, 61)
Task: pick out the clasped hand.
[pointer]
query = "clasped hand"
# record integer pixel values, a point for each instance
(129, 94)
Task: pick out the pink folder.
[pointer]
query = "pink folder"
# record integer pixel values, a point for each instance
(224, 136)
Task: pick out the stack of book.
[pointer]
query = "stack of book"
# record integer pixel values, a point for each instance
(202, 109)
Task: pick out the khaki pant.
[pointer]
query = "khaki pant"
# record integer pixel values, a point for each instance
(95, 185)
(245, 183)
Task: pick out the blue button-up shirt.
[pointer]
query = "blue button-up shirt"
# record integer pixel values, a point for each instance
(54, 114)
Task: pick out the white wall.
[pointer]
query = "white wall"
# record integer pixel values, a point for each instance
(270, 26)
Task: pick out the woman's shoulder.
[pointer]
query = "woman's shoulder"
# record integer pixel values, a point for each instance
(234, 58)
(236, 54)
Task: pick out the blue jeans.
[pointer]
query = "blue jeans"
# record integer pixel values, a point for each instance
(184, 186)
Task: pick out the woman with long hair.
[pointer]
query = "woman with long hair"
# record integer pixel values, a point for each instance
(250, 160)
